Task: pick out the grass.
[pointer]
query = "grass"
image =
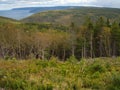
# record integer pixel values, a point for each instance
(95, 74)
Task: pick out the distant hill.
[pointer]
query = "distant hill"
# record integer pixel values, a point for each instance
(40, 9)
(6, 20)
(76, 15)
(20, 13)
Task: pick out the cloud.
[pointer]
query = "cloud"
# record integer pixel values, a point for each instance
(8, 4)
(108, 3)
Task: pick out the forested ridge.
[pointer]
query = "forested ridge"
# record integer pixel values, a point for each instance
(84, 32)
(100, 38)
(76, 15)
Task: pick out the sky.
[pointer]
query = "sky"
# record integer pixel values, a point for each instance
(9, 4)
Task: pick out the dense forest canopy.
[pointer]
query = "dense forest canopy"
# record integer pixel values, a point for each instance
(99, 38)
(76, 15)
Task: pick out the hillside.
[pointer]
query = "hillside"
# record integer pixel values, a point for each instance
(40, 9)
(76, 15)
(7, 20)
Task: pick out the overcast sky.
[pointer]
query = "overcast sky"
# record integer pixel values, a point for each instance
(9, 4)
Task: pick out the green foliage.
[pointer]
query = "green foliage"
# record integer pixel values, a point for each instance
(54, 59)
(52, 74)
(114, 83)
(7, 57)
(72, 59)
(66, 16)
(96, 75)
(6, 20)
(86, 33)
(97, 68)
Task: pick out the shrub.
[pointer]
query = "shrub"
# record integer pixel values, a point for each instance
(72, 59)
(43, 87)
(17, 84)
(96, 85)
(43, 64)
(96, 75)
(96, 67)
(7, 57)
(115, 83)
(87, 83)
(49, 87)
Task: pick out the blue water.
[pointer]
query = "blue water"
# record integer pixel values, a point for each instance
(16, 14)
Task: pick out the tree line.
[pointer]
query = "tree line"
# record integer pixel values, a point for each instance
(100, 38)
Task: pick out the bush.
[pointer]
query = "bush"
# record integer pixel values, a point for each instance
(49, 87)
(43, 87)
(17, 84)
(115, 83)
(56, 75)
(97, 67)
(96, 75)
(55, 59)
(43, 64)
(7, 57)
(72, 59)
(87, 83)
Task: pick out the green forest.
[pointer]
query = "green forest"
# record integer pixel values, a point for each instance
(61, 50)
(100, 38)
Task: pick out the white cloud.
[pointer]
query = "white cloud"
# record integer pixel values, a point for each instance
(80, 1)
(3, 0)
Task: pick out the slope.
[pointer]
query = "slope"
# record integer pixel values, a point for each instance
(7, 20)
(76, 15)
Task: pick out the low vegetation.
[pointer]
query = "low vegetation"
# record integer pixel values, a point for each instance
(86, 74)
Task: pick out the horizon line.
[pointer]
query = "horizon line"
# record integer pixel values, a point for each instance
(60, 6)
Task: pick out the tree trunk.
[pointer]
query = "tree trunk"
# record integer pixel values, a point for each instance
(114, 49)
(43, 54)
(73, 50)
(82, 53)
(64, 54)
(100, 47)
(84, 48)
(91, 46)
